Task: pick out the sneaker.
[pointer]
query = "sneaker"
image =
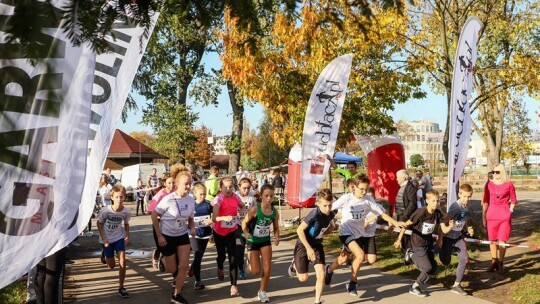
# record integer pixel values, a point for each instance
(242, 275)
(407, 259)
(263, 297)
(123, 293)
(457, 289)
(220, 275)
(161, 266)
(178, 299)
(155, 262)
(351, 288)
(199, 285)
(417, 291)
(234, 291)
(291, 271)
(102, 258)
(328, 275)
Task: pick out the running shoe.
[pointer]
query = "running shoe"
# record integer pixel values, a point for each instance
(161, 266)
(242, 275)
(328, 275)
(234, 291)
(457, 289)
(291, 271)
(178, 299)
(417, 292)
(155, 262)
(351, 288)
(123, 293)
(407, 259)
(102, 258)
(263, 297)
(199, 285)
(220, 275)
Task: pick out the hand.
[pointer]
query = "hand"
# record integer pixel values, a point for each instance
(311, 254)
(162, 241)
(106, 244)
(247, 235)
(451, 223)
(126, 240)
(400, 224)
(276, 241)
(511, 210)
(208, 222)
(227, 218)
(397, 244)
(470, 230)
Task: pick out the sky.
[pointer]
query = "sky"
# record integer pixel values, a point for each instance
(219, 118)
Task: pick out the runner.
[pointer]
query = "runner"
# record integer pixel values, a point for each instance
(359, 214)
(256, 227)
(226, 205)
(423, 223)
(248, 198)
(176, 211)
(454, 239)
(318, 223)
(113, 236)
(203, 220)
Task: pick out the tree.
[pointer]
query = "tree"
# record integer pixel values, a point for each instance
(201, 151)
(280, 68)
(517, 133)
(268, 153)
(405, 131)
(144, 137)
(417, 160)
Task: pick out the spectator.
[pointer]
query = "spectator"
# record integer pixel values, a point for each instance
(110, 178)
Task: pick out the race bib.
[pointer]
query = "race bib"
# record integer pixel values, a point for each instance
(200, 221)
(111, 226)
(321, 234)
(228, 224)
(427, 228)
(458, 225)
(261, 231)
(357, 212)
(181, 223)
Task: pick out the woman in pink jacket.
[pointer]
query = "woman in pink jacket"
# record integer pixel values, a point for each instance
(497, 206)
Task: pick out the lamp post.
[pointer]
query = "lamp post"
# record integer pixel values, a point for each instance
(210, 142)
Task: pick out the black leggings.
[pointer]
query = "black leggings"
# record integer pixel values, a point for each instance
(140, 203)
(240, 249)
(227, 243)
(50, 277)
(198, 246)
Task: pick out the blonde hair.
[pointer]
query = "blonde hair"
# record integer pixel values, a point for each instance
(178, 170)
(118, 188)
(225, 179)
(199, 186)
(500, 167)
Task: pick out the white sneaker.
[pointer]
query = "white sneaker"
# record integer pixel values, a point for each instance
(291, 271)
(263, 297)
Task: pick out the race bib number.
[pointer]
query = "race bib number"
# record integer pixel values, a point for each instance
(111, 227)
(181, 223)
(458, 225)
(200, 221)
(228, 224)
(427, 228)
(357, 212)
(261, 231)
(321, 234)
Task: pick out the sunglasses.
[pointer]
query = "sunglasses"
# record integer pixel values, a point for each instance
(361, 189)
(495, 172)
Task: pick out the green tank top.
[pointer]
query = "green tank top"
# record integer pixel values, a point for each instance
(261, 229)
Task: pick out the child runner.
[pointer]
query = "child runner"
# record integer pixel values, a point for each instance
(203, 220)
(256, 227)
(139, 196)
(318, 223)
(359, 213)
(226, 205)
(454, 239)
(249, 200)
(169, 188)
(114, 237)
(423, 223)
(176, 211)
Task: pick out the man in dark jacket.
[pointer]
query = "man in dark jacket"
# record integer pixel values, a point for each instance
(405, 204)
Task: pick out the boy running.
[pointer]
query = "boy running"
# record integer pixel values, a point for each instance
(454, 239)
(423, 223)
(113, 236)
(318, 223)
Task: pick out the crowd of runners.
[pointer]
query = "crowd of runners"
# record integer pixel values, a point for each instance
(187, 214)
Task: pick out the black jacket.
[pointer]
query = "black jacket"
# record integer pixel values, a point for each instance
(409, 199)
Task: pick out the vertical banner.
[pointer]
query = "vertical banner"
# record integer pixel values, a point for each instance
(44, 123)
(321, 125)
(385, 156)
(460, 113)
(114, 74)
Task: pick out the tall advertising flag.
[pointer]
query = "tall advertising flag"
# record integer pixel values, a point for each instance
(44, 123)
(113, 77)
(321, 125)
(460, 113)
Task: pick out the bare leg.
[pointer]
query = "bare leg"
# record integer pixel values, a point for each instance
(122, 268)
(319, 285)
(183, 266)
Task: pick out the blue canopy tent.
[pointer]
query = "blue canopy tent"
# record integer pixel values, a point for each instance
(343, 158)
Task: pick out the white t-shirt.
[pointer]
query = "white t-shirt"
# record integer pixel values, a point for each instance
(371, 229)
(105, 195)
(354, 212)
(112, 223)
(175, 212)
(249, 201)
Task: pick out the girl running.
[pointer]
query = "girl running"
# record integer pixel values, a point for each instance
(256, 227)
(176, 211)
(249, 200)
(226, 205)
(203, 220)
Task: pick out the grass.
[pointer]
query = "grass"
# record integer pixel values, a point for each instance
(14, 293)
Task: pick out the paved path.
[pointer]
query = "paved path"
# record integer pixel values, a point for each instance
(90, 282)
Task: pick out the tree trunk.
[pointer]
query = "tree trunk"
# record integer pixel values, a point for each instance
(237, 128)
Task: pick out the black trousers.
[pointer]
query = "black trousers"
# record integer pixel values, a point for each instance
(198, 246)
(50, 278)
(240, 248)
(227, 243)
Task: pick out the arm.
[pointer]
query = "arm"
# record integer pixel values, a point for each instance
(332, 162)
(191, 225)
(126, 228)
(447, 227)
(409, 200)
(249, 216)
(331, 228)
(391, 221)
(155, 223)
(215, 218)
(513, 199)
(397, 243)
(276, 229)
(102, 234)
(337, 205)
(302, 237)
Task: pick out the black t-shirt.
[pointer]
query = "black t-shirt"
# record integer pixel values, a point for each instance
(424, 224)
(318, 223)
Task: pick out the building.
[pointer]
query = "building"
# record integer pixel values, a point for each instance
(126, 151)
(424, 138)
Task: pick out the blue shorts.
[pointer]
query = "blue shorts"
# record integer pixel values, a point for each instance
(114, 247)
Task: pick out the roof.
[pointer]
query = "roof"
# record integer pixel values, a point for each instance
(125, 146)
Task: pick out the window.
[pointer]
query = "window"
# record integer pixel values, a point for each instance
(423, 138)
